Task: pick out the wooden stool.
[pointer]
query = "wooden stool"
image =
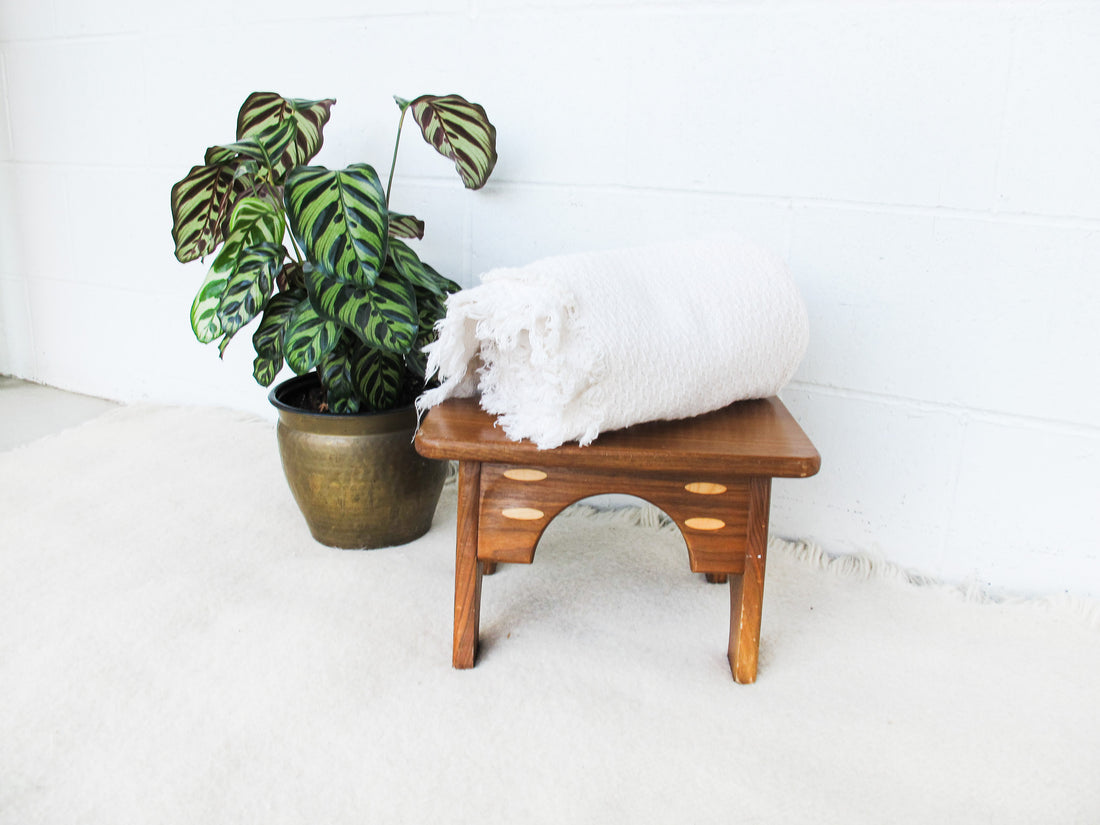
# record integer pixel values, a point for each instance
(710, 474)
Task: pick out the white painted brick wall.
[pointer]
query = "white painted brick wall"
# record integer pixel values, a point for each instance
(930, 171)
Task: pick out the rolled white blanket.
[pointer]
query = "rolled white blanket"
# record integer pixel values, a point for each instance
(570, 346)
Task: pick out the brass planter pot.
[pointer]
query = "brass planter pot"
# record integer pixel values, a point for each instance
(357, 479)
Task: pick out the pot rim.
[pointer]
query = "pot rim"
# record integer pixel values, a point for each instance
(379, 422)
(310, 379)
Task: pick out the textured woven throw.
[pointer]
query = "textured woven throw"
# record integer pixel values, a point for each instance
(570, 346)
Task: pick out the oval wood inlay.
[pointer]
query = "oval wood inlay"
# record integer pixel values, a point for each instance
(521, 474)
(705, 523)
(522, 513)
(705, 488)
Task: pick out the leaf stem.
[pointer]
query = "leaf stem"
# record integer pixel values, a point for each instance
(277, 202)
(294, 246)
(393, 163)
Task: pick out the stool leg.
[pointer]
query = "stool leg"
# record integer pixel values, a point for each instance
(467, 567)
(747, 590)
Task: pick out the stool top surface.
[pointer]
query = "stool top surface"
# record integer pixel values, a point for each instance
(757, 437)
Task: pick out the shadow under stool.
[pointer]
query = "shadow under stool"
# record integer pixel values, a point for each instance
(710, 474)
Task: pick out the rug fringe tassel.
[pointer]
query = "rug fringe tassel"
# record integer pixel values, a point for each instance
(867, 567)
(861, 566)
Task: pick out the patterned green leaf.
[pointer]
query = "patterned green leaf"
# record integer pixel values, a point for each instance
(446, 283)
(291, 277)
(219, 156)
(245, 268)
(201, 205)
(266, 147)
(406, 226)
(308, 338)
(340, 220)
(378, 376)
(264, 369)
(268, 337)
(418, 273)
(461, 131)
(204, 310)
(265, 111)
(416, 362)
(335, 373)
(247, 289)
(254, 221)
(383, 317)
(430, 308)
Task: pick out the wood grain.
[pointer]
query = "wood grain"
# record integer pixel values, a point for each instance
(747, 590)
(515, 539)
(747, 438)
(711, 475)
(467, 567)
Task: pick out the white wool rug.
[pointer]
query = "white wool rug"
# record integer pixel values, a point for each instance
(175, 648)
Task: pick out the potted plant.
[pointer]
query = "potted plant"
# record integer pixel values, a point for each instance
(319, 260)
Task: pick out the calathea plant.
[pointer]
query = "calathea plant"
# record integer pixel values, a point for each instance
(316, 254)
